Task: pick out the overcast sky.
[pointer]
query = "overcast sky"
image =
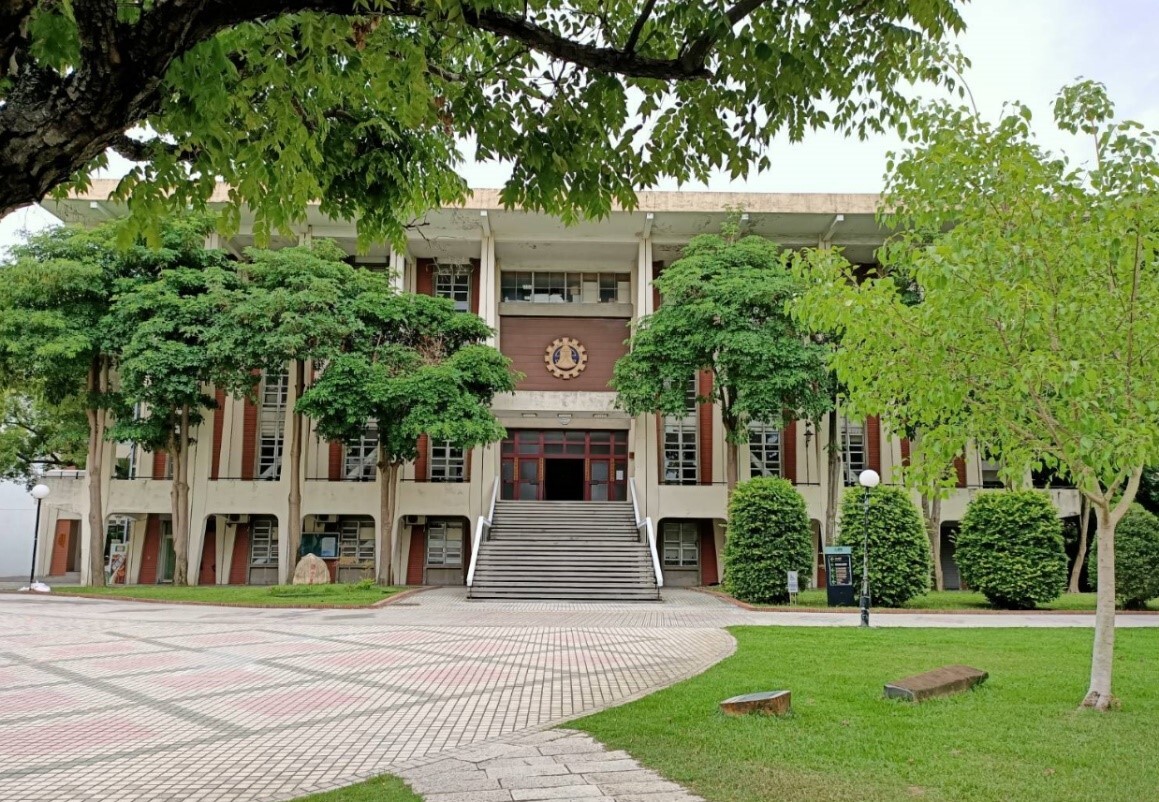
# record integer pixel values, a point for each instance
(1021, 50)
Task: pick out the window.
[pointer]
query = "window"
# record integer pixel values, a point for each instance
(272, 425)
(447, 463)
(559, 287)
(356, 541)
(445, 544)
(853, 450)
(263, 541)
(681, 540)
(990, 475)
(681, 466)
(764, 450)
(362, 456)
(454, 282)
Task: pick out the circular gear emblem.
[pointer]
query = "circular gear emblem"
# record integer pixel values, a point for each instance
(566, 358)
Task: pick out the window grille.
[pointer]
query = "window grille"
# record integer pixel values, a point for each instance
(681, 447)
(447, 463)
(356, 540)
(764, 450)
(454, 282)
(361, 459)
(853, 451)
(272, 425)
(445, 544)
(681, 540)
(263, 541)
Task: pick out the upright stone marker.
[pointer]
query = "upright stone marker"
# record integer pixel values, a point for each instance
(943, 681)
(311, 570)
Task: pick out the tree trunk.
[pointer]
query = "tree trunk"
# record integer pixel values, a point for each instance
(731, 458)
(1080, 558)
(179, 494)
(94, 470)
(833, 491)
(932, 513)
(1102, 659)
(386, 507)
(294, 538)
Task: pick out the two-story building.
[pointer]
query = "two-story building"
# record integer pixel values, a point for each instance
(561, 300)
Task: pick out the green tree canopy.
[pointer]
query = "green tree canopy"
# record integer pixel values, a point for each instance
(725, 311)
(1037, 336)
(361, 105)
(37, 435)
(415, 367)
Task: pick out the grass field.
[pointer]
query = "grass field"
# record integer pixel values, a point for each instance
(355, 595)
(965, 600)
(1018, 737)
(381, 789)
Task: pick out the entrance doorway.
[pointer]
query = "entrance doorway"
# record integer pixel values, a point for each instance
(563, 479)
(563, 465)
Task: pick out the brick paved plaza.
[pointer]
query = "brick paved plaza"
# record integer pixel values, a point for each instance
(106, 700)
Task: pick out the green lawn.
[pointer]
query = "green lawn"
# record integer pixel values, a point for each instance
(1020, 736)
(353, 595)
(381, 789)
(966, 600)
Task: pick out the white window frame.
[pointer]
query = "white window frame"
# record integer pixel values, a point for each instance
(766, 450)
(445, 462)
(360, 460)
(681, 446)
(263, 542)
(453, 281)
(275, 394)
(356, 541)
(854, 450)
(444, 543)
(680, 544)
(567, 286)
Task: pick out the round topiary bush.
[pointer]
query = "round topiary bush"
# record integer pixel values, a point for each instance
(768, 535)
(1010, 549)
(1136, 559)
(899, 550)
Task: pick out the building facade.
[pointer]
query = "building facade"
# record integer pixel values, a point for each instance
(561, 301)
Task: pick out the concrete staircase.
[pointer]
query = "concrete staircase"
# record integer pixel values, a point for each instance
(564, 550)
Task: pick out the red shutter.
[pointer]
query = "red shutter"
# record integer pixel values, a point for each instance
(418, 555)
(249, 439)
(873, 442)
(239, 564)
(704, 413)
(476, 277)
(60, 542)
(905, 447)
(151, 551)
(159, 459)
(218, 424)
(709, 573)
(208, 573)
(425, 277)
(789, 452)
(657, 269)
(960, 470)
(421, 467)
(335, 467)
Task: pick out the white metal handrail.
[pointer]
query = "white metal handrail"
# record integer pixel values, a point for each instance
(649, 533)
(482, 528)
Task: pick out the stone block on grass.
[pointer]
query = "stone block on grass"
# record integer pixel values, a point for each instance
(944, 681)
(771, 703)
(311, 570)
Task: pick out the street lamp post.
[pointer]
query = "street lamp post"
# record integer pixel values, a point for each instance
(39, 493)
(868, 479)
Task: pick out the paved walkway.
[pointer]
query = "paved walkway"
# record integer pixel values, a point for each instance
(104, 700)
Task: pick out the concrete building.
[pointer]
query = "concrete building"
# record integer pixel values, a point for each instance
(561, 300)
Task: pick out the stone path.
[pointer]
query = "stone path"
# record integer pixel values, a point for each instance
(104, 700)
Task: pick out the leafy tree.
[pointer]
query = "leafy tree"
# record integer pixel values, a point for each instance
(724, 311)
(768, 535)
(899, 553)
(54, 306)
(293, 306)
(37, 435)
(415, 366)
(359, 104)
(166, 328)
(1037, 336)
(1010, 548)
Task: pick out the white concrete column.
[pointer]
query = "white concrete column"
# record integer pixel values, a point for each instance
(489, 286)
(398, 269)
(643, 439)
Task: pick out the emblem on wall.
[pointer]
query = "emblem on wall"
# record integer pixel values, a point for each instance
(566, 358)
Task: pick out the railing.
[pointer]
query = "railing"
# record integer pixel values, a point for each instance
(648, 532)
(482, 528)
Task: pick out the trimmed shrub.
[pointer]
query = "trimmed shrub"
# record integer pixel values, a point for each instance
(899, 549)
(1136, 559)
(1010, 549)
(768, 535)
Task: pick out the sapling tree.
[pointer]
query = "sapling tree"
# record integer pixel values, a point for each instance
(725, 311)
(415, 367)
(1037, 335)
